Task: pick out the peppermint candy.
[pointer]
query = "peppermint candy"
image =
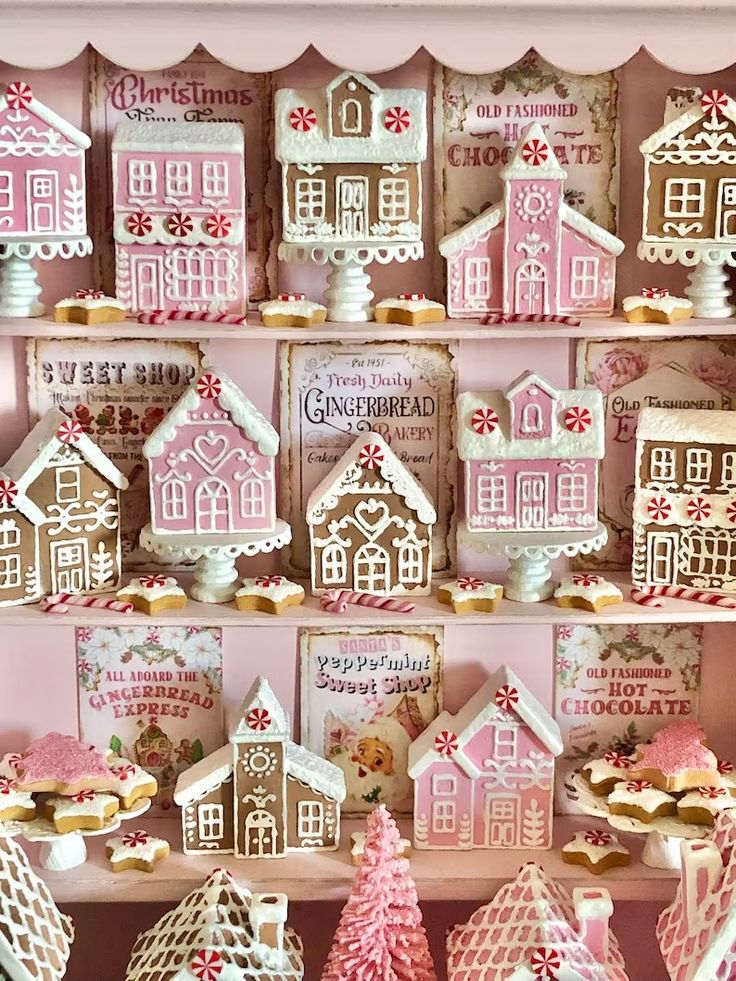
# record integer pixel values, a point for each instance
(484, 421)
(152, 582)
(637, 786)
(258, 720)
(617, 759)
(133, 839)
(139, 224)
(209, 386)
(370, 457)
(18, 95)
(714, 103)
(292, 297)
(302, 119)
(600, 838)
(470, 582)
(8, 492)
(546, 962)
(123, 772)
(586, 580)
(207, 965)
(724, 766)
(731, 512)
(698, 509)
(88, 294)
(269, 581)
(659, 508)
(6, 785)
(654, 292)
(218, 226)
(507, 697)
(711, 793)
(397, 119)
(578, 419)
(83, 796)
(535, 152)
(446, 743)
(69, 432)
(180, 224)
(412, 296)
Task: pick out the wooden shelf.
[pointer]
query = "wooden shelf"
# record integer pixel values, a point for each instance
(327, 876)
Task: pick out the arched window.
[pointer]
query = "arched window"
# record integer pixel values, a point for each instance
(372, 569)
(531, 418)
(334, 564)
(252, 498)
(351, 116)
(173, 501)
(212, 504)
(410, 563)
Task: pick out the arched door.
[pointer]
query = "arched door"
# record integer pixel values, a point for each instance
(261, 834)
(212, 506)
(372, 569)
(530, 288)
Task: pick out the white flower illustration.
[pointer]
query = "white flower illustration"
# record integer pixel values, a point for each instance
(106, 646)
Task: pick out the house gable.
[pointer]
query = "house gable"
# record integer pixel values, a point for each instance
(532, 401)
(18, 105)
(350, 105)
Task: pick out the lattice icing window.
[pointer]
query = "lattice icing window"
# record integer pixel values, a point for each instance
(10, 572)
(491, 494)
(173, 500)
(311, 819)
(477, 278)
(211, 822)
(67, 484)
(214, 178)
(572, 490)
(334, 564)
(684, 198)
(443, 816)
(393, 199)
(178, 178)
(584, 277)
(141, 178)
(698, 466)
(662, 463)
(309, 199)
(201, 274)
(6, 190)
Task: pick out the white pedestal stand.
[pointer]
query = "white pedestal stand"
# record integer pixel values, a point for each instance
(530, 553)
(19, 286)
(708, 290)
(348, 297)
(215, 576)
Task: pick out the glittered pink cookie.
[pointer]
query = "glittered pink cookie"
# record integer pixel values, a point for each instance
(677, 759)
(63, 765)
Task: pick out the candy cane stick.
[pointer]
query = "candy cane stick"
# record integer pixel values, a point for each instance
(60, 603)
(337, 601)
(159, 317)
(651, 596)
(529, 318)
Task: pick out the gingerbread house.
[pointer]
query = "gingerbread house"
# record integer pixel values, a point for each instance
(218, 932)
(60, 515)
(35, 938)
(484, 778)
(697, 931)
(531, 456)
(370, 524)
(685, 499)
(262, 794)
(533, 929)
(212, 463)
(179, 216)
(351, 156)
(531, 253)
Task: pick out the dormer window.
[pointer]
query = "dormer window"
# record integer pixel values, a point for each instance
(531, 419)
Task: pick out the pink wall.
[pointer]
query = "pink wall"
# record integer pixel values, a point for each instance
(573, 246)
(234, 197)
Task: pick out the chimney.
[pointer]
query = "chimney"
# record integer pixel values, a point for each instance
(267, 916)
(702, 867)
(593, 908)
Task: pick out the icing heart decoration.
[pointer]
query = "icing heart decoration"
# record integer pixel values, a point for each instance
(302, 119)
(372, 515)
(258, 720)
(18, 95)
(446, 743)
(211, 448)
(507, 698)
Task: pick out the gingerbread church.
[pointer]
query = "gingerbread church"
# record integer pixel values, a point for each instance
(370, 524)
(260, 795)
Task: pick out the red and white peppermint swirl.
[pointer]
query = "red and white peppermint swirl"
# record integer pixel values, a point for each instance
(600, 838)
(207, 965)
(124, 771)
(268, 581)
(152, 582)
(586, 581)
(725, 766)
(654, 292)
(397, 119)
(291, 297)
(546, 962)
(412, 296)
(507, 697)
(88, 294)
(617, 759)
(180, 224)
(371, 456)
(470, 582)
(140, 224)
(578, 419)
(8, 493)
(258, 720)
(535, 152)
(731, 512)
(446, 743)
(659, 508)
(714, 103)
(70, 431)
(218, 226)
(698, 509)
(209, 386)
(712, 793)
(638, 786)
(6, 786)
(83, 796)
(302, 119)
(18, 95)
(484, 421)
(134, 839)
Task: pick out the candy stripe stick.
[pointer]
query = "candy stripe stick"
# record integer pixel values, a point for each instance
(159, 317)
(338, 600)
(652, 596)
(60, 603)
(529, 318)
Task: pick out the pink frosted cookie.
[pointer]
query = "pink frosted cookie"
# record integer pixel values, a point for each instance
(62, 765)
(16, 805)
(602, 775)
(137, 850)
(154, 593)
(269, 594)
(597, 851)
(700, 806)
(677, 759)
(640, 799)
(587, 592)
(470, 595)
(84, 811)
(132, 782)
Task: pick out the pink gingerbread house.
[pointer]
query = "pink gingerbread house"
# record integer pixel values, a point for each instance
(212, 463)
(533, 930)
(531, 456)
(697, 932)
(179, 216)
(531, 253)
(484, 778)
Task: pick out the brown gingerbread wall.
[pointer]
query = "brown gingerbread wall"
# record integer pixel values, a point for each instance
(680, 449)
(297, 791)
(273, 784)
(26, 550)
(362, 95)
(218, 795)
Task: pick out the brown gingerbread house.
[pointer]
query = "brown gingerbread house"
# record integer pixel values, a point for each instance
(370, 524)
(260, 795)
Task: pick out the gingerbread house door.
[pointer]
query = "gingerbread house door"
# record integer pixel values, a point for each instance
(531, 500)
(212, 506)
(261, 834)
(147, 282)
(372, 569)
(662, 558)
(69, 566)
(42, 200)
(531, 288)
(501, 820)
(352, 207)
(727, 208)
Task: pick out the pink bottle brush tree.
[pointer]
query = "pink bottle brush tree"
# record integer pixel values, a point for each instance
(380, 936)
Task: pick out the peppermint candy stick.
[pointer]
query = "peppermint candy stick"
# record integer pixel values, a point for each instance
(60, 603)
(338, 600)
(159, 317)
(652, 596)
(529, 318)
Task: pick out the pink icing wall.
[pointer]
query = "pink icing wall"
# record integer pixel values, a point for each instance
(521, 254)
(492, 248)
(233, 198)
(574, 245)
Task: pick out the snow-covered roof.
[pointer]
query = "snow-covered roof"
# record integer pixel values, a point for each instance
(687, 426)
(214, 385)
(261, 715)
(203, 776)
(48, 116)
(683, 122)
(315, 144)
(182, 137)
(477, 712)
(46, 439)
(347, 474)
(22, 503)
(315, 772)
(533, 157)
(495, 442)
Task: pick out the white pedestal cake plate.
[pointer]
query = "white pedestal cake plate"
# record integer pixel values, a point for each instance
(19, 286)
(348, 298)
(708, 290)
(215, 576)
(529, 577)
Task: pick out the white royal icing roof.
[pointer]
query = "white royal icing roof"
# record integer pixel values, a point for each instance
(316, 772)
(517, 167)
(498, 444)
(382, 146)
(683, 122)
(687, 426)
(184, 137)
(347, 471)
(42, 444)
(240, 408)
(198, 779)
(480, 709)
(74, 135)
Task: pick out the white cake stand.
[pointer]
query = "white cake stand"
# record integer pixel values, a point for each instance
(348, 297)
(215, 575)
(530, 553)
(708, 289)
(19, 286)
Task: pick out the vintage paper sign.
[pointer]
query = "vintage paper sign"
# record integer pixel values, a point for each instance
(479, 118)
(332, 392)
(366, 695)
(616, 685)
(200, 89)
(119, 391)
(684, 373)
(153, 695)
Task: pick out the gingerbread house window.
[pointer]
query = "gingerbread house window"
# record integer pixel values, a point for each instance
(372, 565)
(698, 466)
(504, 742)
(444, 785)
(201, 274)
(173, 500)
(584, 277)
(212, 506)
(443, 816)
(662, 463)
(252, 498)
(67, 484)
(410, 563)
(572, 491)
(309, 200)
(6, 190)
(334, 564)
(310, 819)
(728, 468)
(214, 179)
(9, 534)
(178, 178)
(684, 198)
(531, 418)
(211, 822)
(9, 571)
(351, 116)
(477, 278)
(491, 494)
(141, 178)
(393, 199)
(709, 553)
